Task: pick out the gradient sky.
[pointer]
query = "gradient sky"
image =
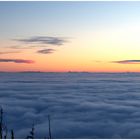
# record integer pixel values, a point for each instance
(70, 36)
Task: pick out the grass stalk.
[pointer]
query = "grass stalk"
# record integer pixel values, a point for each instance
(50, 134)
(1, 123)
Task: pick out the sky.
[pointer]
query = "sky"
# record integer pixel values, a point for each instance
(70, 36)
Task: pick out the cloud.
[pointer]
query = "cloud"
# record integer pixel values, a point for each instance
(127, 62)
(44, 40)
(84, 105)
(46, 51)
(17, 61)
(8, 52)
(27, 46)
(97, 61)
(39, 42)
(14, 47)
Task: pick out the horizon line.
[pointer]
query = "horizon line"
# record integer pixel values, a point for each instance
(63, 72)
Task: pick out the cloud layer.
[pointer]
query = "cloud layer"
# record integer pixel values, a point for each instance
(127, 62)
(17, 61)
(85, 105)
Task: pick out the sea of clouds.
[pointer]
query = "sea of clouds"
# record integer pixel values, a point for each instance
(80, 105)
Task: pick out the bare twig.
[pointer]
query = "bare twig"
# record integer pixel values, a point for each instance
(12, 134)
(32, 133)
(1, 123)
(49, 120)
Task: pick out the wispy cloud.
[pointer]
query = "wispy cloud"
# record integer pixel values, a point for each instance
(43, 40)
(46, 51)
(97, 61)
(17, 61)
(7, 52)
(127, 62)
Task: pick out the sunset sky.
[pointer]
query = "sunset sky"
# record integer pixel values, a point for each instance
(70, 36)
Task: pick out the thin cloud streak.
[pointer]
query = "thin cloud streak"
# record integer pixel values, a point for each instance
(17, 61)
(9, 52)
(46, 51)
(127, 62)
(43, 40)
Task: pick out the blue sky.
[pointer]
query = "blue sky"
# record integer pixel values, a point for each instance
(25, 18)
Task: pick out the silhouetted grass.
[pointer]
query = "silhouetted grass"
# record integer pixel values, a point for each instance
(31, 135)
(49, 120)
(4, 130)
(12, 134)
(1, 123)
